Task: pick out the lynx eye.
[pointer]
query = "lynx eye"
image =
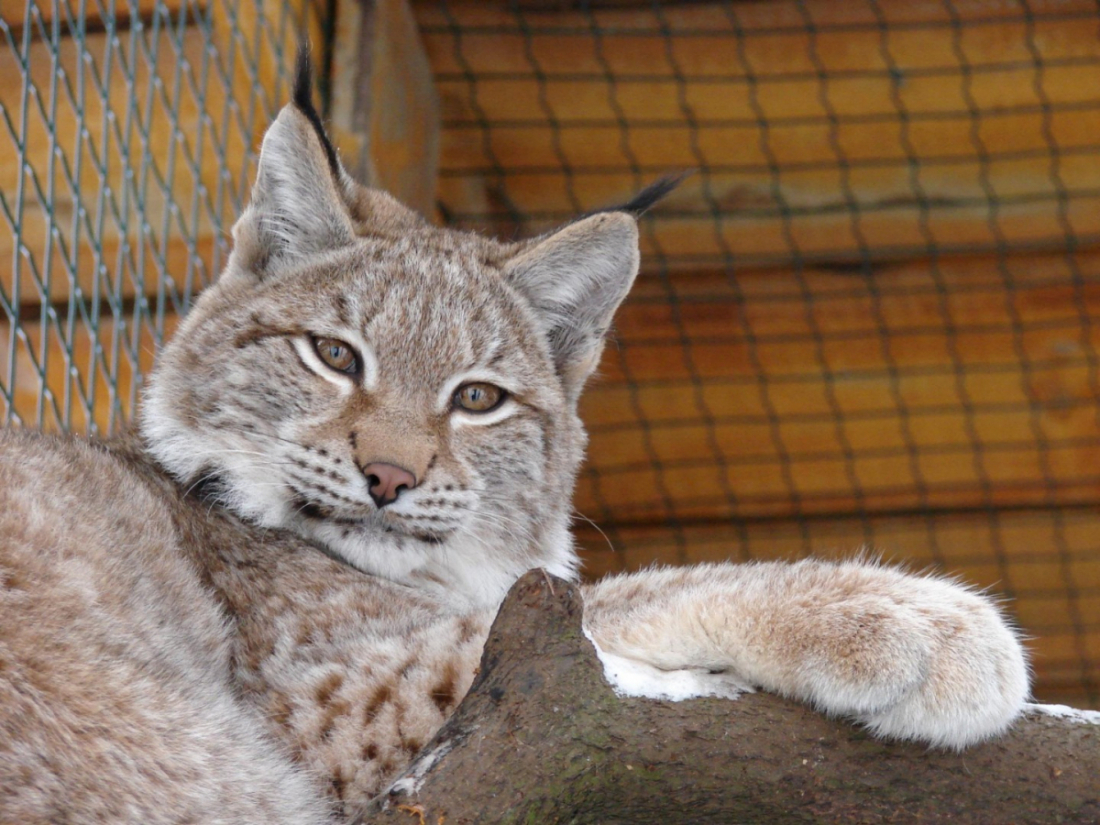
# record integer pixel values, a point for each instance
(478, 397)
(336, 354)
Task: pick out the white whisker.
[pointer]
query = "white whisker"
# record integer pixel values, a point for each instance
(580, 515)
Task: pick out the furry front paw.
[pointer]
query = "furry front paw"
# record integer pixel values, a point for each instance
(911, 657)
(923, 659)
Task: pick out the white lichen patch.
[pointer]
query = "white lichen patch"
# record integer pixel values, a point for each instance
(1087, 717)
(629, 677)
(410, 783)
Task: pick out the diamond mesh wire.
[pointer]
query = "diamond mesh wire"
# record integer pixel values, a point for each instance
(865, 320)
(127, 135)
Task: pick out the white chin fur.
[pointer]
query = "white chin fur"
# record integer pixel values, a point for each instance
(459, 566)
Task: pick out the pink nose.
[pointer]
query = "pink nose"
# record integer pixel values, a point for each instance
(386, 481)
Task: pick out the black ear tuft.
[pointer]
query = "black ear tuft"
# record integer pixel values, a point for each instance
(303, 77)
(640, 203)
(303, 100)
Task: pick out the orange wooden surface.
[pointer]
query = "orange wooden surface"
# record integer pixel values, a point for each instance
(970, 382)
(878, 141)
(82, 381)
(42, 13)
(385, 108)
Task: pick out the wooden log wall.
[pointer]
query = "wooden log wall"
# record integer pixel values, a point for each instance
(865, 320)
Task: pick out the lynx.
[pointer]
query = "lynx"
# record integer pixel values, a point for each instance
(259, 608)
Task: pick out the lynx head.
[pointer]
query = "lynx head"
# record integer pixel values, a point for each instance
(402, 395)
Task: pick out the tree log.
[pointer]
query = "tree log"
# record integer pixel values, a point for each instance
(542, 738)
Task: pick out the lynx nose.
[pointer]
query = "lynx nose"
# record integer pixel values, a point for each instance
(386, 481)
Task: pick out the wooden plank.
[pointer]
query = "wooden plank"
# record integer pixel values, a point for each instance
(774, 14)
(385, 110)
(970, 384)
(1046, 560)
(543, 119)
(745, 226)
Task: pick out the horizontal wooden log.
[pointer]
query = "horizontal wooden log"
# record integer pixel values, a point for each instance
(820, 132)
(541, 738)
(1046, 560)
(962, 382)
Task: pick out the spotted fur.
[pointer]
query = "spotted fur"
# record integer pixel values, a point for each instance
(218, 623)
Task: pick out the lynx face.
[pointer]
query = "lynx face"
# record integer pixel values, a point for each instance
(403, 395)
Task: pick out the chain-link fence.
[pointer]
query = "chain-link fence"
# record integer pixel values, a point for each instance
(127, 137)
(866, 319)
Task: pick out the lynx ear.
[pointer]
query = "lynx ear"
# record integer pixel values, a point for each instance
(576, 279)
(298, 205)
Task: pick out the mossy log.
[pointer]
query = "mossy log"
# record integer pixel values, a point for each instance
(541, 738)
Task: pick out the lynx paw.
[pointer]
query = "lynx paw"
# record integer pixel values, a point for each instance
(931, 661)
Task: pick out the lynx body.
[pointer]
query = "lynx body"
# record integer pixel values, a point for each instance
(362, 434)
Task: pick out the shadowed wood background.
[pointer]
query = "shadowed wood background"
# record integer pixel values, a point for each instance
(864, 321)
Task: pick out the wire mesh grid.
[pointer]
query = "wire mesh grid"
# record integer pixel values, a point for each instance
(865, 320)
(126, 144)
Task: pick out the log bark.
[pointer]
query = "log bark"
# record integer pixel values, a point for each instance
(542, 738)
